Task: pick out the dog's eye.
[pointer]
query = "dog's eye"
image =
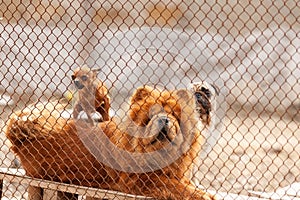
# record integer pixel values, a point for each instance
(84, 78)
(198, 96)
(73, 77)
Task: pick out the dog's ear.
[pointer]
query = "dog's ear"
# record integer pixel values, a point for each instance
(206, 91)
(142, 93)
(205, 88)
(96, 70)
(217, 90)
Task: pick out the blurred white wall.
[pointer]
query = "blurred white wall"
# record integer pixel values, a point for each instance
(250, 48)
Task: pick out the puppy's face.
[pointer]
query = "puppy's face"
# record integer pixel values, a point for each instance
(205, 95)
(83, 77)
(162, 128)
(160, 113)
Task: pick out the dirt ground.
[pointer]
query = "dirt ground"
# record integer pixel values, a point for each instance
(258, 151)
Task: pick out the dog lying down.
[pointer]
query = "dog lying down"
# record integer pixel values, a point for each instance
(150, 154)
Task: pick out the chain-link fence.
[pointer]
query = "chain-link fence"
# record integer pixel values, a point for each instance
(239, 60)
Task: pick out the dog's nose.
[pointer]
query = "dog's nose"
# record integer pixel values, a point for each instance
(163, 124)
(163, 121)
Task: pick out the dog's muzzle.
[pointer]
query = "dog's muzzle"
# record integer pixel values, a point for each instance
(203, 100)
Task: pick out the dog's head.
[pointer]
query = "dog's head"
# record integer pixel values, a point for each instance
(165, 115)
(84, 77)
(205, 95)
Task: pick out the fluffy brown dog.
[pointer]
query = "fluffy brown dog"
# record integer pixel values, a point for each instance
(92, 95)
(163, 123)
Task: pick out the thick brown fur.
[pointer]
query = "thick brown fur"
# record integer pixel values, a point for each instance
(50, 147)
(92, 94)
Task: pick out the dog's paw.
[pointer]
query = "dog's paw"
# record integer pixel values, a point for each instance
(97, 117)
(82, 115)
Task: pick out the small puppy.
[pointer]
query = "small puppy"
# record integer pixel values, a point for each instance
(93, 96)
(205, 95)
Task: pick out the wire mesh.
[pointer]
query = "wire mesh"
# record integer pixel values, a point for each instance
(249, 50)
